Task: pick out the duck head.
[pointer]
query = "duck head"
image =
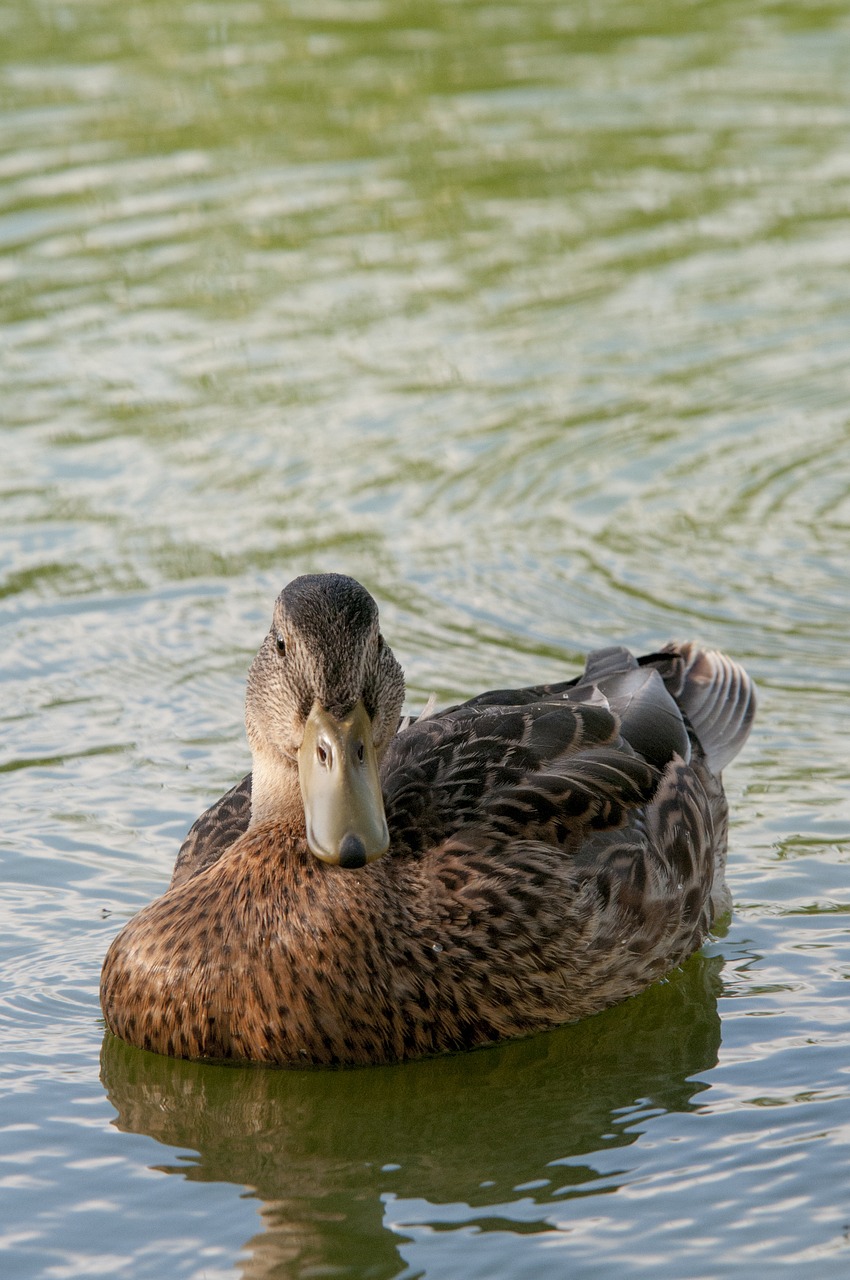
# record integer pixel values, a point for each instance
(324, 700)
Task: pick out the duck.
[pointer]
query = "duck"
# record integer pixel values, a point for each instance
(381, 888)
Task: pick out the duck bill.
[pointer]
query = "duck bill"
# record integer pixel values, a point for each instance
(341, 790)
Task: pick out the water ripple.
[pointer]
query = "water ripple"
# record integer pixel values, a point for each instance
(536, 320)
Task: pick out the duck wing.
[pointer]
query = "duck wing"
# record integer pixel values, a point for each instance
(713, 696)
(543, 770)
(216, 830)
(567, 762)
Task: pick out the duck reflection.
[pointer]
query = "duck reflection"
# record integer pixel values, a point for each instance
(322, 1149)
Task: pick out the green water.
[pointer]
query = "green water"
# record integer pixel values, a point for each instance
(535, 318)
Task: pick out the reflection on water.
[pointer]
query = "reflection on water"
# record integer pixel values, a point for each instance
(322, 1149)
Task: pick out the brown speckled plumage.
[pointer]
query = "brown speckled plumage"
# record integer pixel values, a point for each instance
(552, 851)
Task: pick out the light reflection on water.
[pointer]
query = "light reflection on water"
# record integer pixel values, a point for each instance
(536, 320)
(530, 1116)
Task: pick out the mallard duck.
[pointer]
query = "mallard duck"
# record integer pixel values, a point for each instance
(378, 889)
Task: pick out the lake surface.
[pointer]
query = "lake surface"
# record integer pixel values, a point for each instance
(535, 318)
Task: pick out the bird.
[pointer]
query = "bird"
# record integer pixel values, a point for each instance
(381, 887)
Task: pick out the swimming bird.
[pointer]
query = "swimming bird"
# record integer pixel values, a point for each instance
(380, 888)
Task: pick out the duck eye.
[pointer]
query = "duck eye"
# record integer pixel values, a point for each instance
(380, 642)
(280, 643)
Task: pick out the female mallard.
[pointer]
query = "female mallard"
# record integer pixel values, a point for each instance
(376, 891)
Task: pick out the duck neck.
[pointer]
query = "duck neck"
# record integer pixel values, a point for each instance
(276, 794)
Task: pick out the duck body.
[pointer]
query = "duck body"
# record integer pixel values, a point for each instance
(546, 852)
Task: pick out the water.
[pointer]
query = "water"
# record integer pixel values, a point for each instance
(536, 319)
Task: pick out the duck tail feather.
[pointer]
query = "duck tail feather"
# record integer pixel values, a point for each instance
(716, 695)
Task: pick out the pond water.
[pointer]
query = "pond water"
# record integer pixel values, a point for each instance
(535, 318)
